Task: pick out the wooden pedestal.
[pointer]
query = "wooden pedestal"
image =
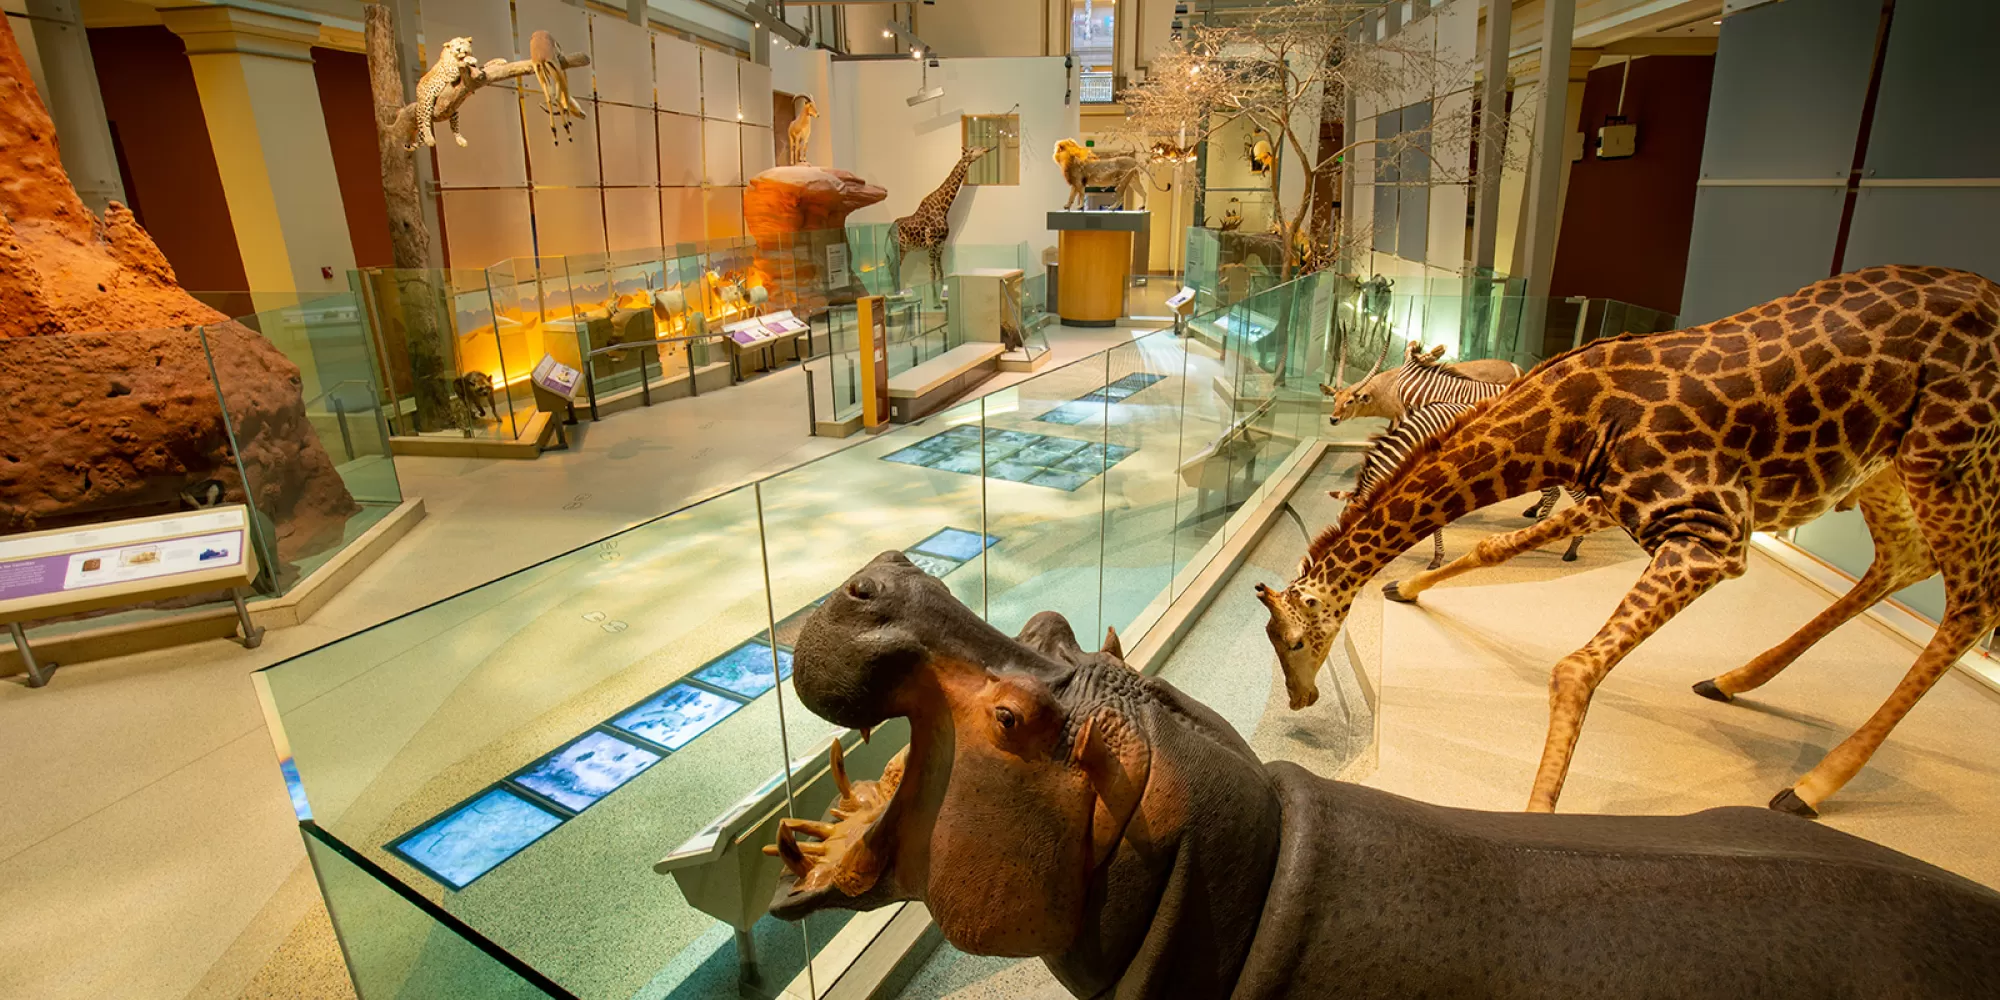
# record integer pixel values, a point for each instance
(1096, 264)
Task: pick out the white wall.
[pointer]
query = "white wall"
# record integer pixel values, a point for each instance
(809, 72)
(908, 151)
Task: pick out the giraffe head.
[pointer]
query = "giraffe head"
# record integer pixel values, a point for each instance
(972, 153)
(1305, 618)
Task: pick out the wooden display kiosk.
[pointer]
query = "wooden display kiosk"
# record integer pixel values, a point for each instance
(1095, 265)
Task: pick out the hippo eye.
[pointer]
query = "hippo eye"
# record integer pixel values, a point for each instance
(1005, 716)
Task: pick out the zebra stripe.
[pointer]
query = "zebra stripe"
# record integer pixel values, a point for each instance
(1419, 385)
(1405, 434)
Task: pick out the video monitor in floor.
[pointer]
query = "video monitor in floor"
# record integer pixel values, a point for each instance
(955, 543)
(675, 716)
(745, 670)
(1014, 456)
(471, 840)
(586, 770)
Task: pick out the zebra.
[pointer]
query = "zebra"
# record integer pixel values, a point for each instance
(1389, 449)
(1422, 385)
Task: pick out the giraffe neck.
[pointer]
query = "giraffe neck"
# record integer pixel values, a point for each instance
(947, 192)
(1472, 467)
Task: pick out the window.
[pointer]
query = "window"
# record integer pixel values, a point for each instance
(1093, 40)
(1002, 134)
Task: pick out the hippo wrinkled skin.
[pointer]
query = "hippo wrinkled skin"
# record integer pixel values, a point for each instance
(1055, 803)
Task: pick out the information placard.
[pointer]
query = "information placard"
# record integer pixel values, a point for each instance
(553, 376)
(54, 572)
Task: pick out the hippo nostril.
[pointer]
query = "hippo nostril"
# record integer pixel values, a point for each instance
(861, 588)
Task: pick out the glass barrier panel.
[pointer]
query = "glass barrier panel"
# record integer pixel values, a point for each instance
(396, 948)
(1045, 458)
(525, 754)
(1146, 381)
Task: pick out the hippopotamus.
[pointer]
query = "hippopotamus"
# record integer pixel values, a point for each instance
(1056, 803)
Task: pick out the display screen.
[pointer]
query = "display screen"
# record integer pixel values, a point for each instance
(579, 774)
(745, 670)
(470, 840)
(674, 717)
(955, 543)
(1016, 456)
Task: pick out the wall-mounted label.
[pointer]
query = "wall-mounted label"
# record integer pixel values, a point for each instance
(836, 266)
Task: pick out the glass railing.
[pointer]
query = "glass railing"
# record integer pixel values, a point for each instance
(565, 776)
(277, 410)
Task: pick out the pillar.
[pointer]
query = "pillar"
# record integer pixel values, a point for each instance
(1551, 161)
(69, 90)
(1493, 135)
(254, 73)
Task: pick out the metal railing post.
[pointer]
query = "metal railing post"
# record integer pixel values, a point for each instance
(694, 380)
(590, 387)
(645, 381)
(346, 437)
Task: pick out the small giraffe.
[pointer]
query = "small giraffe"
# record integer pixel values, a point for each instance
(801, 128)
(1878, 389)
(928, 227)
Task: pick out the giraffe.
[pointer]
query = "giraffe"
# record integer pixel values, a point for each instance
(1875, 389)
(1423, 383)
(929, 227)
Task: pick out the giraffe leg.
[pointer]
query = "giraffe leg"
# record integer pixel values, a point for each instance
(1575, 543)
(1437, 549)
(1682, 570)
(1953, 512)
(1497, 549)
(1901, 559)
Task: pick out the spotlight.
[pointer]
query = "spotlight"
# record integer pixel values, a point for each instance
(916, 53)
(887, 33)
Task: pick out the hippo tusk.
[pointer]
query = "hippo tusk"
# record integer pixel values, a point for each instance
(865, 730)
(788, 852)
(840, 777)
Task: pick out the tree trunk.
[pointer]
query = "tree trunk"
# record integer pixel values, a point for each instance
(410, 297)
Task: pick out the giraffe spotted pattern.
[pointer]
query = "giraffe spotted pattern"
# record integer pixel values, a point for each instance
(1876, 389)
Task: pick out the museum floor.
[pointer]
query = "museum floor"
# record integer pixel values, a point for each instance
(148, 850)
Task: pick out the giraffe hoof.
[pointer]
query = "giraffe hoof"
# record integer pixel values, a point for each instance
(1569, 557)
(1530, 512)
(1709, 690)
(1788, 801)
(1394, 593)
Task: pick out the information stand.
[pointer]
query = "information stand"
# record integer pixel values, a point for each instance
(48, 574)
(872, 317)
(555, 387)
(762, 333)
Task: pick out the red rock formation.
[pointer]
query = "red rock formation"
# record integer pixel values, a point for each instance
(107, 408)
(794, 214)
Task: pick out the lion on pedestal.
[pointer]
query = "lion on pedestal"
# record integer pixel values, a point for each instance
(1083, 168)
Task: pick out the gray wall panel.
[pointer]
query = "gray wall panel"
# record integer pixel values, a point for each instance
(1938, 111)
(1948, 227)
(1790, 79)
(1754, 244)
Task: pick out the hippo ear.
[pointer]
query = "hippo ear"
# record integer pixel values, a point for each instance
(1111, 643)
(1118, 762)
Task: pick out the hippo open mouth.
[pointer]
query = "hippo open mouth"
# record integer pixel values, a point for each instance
(1021, 770)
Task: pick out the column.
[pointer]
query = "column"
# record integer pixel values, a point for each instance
(1492, 138)
(69, 90)
(254, 73)
(1552, 128)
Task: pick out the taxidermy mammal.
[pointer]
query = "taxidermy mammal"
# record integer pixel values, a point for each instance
(547, 58)
(1056, 803)
(475, 390)
(1878, 389)
(1083, 168)
(455, 64)
(801, 130)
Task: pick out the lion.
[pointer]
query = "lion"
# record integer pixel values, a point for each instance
(1083, 168)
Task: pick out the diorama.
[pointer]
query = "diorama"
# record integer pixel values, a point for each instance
(127, 397)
